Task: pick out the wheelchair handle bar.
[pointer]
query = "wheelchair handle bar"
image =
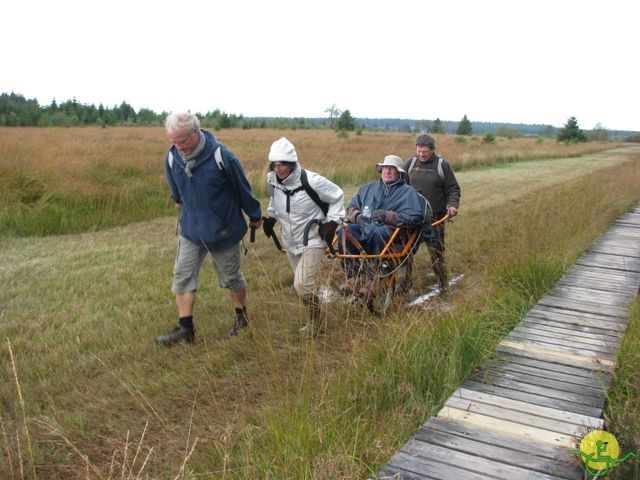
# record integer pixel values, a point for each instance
(307, 228)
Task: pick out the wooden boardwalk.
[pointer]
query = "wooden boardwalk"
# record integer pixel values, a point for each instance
(518, 416)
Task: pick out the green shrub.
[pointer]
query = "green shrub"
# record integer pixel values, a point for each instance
(489, 138)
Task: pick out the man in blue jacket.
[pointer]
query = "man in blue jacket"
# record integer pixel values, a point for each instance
(374, 213)
(211, 191)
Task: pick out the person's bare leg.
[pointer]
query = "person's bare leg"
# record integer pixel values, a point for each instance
(185, 301)
(239, 298)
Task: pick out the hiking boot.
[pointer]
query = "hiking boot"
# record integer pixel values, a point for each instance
(310, 330)
(315, 325)
(443, 283)
(348, 287)
(240, 323)
(178, 334)
(367, 291)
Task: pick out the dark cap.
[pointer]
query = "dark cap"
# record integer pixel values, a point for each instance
(427, 140)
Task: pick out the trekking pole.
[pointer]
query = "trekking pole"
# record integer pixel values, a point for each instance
(272, 235)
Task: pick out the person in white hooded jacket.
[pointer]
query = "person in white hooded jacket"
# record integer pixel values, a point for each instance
(293, 208)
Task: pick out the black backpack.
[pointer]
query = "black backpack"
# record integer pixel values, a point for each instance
(413, 164)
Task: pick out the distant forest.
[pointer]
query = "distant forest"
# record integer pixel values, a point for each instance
(17, 111)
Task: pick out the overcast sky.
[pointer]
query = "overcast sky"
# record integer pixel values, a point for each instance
(503, 61)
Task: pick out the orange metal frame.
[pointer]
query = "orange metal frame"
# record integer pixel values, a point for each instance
(385, 253)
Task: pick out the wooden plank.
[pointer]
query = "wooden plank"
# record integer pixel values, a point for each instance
(598, 284)
(560, 352)
(411, 467)
(625, 230)
(481, 465)
(582, 306)
(526, 407)
(505, 454)
(569, 329)
(544, 365)
(521, 418)
(614, 250)
(512, 390)
(554, 357)
(599, 297)
(567, 323)
(603, 278)
(627, 224)
(611, 262)
(592, 382)
(566, 337)
(519, 334)
(615, 240)
(596, 296)
(389, 472)
(604, 273)
(556, 347)
(481, 435)
(618, 246)
(584, 319)
(607, 276)
(524, 432)
(551, 388)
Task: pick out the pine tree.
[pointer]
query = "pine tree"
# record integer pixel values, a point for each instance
(346, 122)
(571, 132)
(437, 127)
(464, 127)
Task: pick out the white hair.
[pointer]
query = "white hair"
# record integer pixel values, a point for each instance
(179, 121)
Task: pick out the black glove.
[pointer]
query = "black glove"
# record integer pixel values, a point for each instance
(379, 215)
(267, 225)
(386, 216)
(327, 231)
(362, 220)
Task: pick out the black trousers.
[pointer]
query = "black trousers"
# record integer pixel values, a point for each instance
(437, 257)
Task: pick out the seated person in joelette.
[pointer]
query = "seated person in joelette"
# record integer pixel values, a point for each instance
(373, 214)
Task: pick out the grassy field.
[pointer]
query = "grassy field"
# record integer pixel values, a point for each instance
(63, 180)
(85, 393)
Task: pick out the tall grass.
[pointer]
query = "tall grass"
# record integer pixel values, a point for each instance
(59, 180)
(81, 312)
(623, 402)
(352, 422)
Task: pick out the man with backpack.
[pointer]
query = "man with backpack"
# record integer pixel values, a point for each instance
(432, 177)
(298, 196)
(209, 187)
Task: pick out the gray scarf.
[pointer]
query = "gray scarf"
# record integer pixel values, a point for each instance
(190, 160)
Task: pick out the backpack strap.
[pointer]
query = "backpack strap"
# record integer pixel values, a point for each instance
(289, 194)
(324, 206)
(440, 170)
(413, 164)
(217, 155)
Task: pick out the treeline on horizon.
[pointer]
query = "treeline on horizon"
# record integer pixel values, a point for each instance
(17, 111)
